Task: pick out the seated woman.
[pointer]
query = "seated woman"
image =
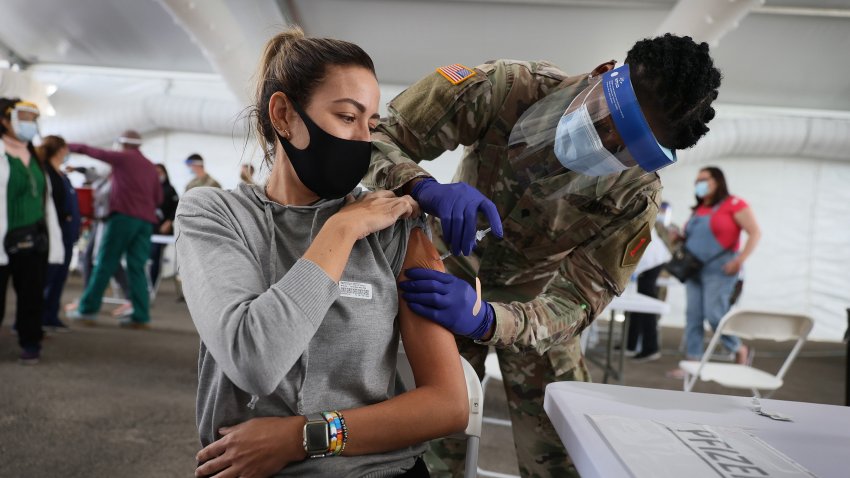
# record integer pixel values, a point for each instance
(292, 288)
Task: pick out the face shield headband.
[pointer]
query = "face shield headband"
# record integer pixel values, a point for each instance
(25, 130)
(597, 130)
(630, 123)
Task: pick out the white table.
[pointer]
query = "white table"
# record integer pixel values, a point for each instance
(162, 239)
(628, 302)
(818, 438)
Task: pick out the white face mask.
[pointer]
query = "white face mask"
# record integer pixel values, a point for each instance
(579, 148)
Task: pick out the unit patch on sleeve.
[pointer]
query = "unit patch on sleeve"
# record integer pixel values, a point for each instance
(634, 249)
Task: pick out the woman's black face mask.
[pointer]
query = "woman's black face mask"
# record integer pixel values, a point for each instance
(331, 167)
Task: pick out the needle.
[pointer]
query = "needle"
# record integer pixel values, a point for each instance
(478, 236)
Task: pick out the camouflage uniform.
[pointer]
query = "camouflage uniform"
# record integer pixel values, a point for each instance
(205, 181)
(571, 241)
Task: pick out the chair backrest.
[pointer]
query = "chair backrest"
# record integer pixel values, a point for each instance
(760, 324)
(766, 325)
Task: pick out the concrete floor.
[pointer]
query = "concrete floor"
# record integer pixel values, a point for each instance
(107, 401)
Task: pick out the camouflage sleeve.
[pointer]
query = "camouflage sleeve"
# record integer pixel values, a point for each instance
(587, 280)
(429, 118)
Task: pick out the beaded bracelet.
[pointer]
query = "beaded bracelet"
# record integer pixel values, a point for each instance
(337, 432)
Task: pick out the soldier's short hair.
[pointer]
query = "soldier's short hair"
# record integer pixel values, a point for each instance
(675, 78)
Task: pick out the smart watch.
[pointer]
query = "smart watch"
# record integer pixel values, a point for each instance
(316, 441)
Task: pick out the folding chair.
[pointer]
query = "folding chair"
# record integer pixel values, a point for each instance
(749, 324)
(476, 403)
(493, 372)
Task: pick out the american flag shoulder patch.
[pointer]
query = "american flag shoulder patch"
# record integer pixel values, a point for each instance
(456, 73)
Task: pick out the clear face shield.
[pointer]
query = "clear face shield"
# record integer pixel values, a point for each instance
(24, 121)
(601, 131)
(118, 144)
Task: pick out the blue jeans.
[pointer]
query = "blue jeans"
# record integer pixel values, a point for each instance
(708, 298)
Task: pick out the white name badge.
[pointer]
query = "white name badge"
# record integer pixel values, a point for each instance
(357, 290)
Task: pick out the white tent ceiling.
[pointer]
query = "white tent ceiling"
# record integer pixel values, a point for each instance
(788, 53)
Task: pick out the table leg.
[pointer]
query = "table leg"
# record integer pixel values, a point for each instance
(609, 347)
(623, 347)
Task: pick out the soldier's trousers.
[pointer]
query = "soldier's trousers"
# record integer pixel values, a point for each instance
(539, 450)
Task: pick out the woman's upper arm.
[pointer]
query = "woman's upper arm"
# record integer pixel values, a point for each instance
(430, 348)
(747, 220)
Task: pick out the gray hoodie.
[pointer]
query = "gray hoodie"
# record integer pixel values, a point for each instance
(278, 336)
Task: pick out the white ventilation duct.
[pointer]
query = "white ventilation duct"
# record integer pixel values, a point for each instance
(788, 136)
(212, 26)
(775, 136)
(706, 20)
(160, 112)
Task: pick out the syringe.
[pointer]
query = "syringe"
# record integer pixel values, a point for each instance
(478, 236)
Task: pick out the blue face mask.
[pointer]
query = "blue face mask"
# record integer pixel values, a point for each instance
(26, 130)
(579, 148)
(701, 189)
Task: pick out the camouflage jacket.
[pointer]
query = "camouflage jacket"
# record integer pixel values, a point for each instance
(205, 181)
(571, 241)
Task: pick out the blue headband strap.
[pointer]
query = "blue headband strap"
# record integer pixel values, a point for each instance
(631, 123)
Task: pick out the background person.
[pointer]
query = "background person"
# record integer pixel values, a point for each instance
(28, 224)
(101, 184)
(713, 235)
(136, 193)
(195, 162)
(54, 152)
(165, 213)
(643, 327)
(246, 174)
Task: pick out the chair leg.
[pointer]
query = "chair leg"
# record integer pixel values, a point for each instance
(471, 465)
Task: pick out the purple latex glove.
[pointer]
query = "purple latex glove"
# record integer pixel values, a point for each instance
(457, 205)
(448, 301)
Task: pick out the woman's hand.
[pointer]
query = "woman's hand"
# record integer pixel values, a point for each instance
(374, 211)
(257, 448)
(166, 227)
(733, 267)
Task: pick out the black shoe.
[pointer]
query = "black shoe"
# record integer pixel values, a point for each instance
(29, 357)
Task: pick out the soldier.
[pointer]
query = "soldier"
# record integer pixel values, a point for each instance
(557, 164)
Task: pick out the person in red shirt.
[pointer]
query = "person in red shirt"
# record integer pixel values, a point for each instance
(713, 234)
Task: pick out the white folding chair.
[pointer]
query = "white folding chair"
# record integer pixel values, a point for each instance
(493, 372)
(476, 403)
(749, 324)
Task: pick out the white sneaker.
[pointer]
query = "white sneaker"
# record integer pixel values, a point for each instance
(641, 358)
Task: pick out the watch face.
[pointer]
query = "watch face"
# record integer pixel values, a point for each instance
(316, 435)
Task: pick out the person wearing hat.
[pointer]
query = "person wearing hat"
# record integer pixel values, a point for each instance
(29, 225)
(569, 162)
(196, 165)
(133, 200)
